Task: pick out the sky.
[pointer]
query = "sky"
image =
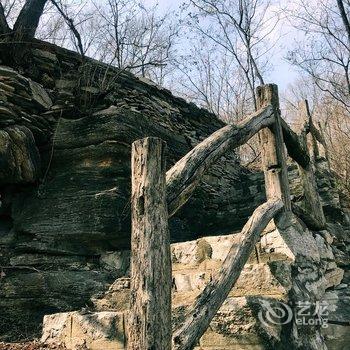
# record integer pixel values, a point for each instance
(282, 74)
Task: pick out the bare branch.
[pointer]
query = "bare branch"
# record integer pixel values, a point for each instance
(71, 26)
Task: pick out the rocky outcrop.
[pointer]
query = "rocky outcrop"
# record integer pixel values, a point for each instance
(283, 268)
(20, 158)
(84, 117)
(66, 130)
(66, 127)
(338, 299)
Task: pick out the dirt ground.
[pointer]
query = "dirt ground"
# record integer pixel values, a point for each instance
(35, 345)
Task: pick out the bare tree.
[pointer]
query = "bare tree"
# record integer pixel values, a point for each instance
(331, 118)
(135, 37)
(324, 52)
(229, 57)
(211, 79)
(303, 88)
(334, 120)
(122, 33)
(11, 9)
(242, 28)
(19, 19)
(71, 24)
(344, 15)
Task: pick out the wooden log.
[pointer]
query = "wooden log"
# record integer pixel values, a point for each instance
(149, 325)
(312, 201)
(272, 149)
(304, 121)
(317, 134)
(184, 176)
(217, 290)
(307, 126)
(312, 213)
(303, 118)
(295, 148)
(319, 145)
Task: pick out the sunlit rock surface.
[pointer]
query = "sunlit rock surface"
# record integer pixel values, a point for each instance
(65, 133)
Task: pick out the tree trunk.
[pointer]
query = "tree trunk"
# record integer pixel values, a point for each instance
(149, 324)
(344, 18)
(273, 151)
(4, 28)
(28, 19)
(215, 293)
(184, 176)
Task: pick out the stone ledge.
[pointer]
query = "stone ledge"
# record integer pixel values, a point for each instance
(235, 326)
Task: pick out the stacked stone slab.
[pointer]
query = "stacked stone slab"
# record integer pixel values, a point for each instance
(266, 278)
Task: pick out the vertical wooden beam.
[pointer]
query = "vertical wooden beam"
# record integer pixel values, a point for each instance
(149, 325)
(304, 115)
(305, 126)
(312, 201)
(273, 150)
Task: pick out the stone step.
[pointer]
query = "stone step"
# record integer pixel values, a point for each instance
(266, 278)
(195, 263)
(107, 330)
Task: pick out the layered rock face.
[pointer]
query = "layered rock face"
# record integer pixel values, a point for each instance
(66, 130)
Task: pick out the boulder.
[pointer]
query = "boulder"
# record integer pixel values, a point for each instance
(336, 332)
(19, 156)
(94, 331)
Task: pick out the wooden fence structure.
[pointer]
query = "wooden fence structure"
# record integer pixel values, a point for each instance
(157, 195)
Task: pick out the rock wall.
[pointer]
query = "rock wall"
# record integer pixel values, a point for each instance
(66, 130)
(66, 127)
(269, 278)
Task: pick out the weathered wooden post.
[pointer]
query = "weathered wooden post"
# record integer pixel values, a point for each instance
(312, 200)
(304, 122)
(272, 149)
(149, 325)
